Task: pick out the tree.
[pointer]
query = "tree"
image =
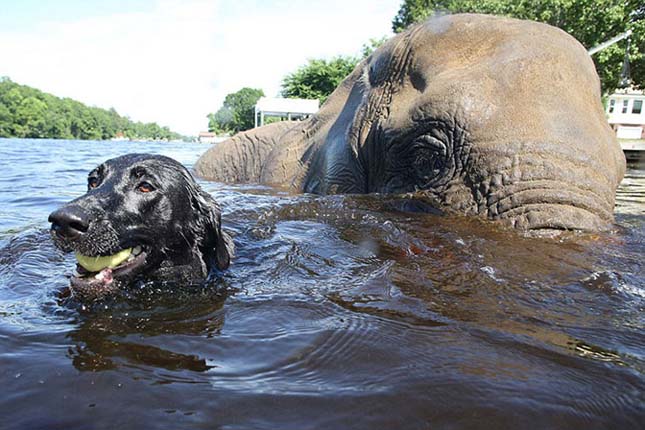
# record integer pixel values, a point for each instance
(58, 125)
(6, 121)
(221, 121)
(30, 117)
(242, 106)
(28, 112)
(590, 21)
(318, 78)
(237, 112)
(13, 97)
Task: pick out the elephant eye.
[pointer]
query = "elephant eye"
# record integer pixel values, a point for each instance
(430, 158)
(431, 143)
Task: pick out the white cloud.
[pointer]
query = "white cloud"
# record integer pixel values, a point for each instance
(176, 63)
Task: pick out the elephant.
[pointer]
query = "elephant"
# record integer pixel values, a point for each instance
(488, 116)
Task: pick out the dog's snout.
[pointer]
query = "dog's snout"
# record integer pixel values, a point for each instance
(69, 221)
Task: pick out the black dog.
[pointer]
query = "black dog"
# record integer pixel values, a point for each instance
(143, 218)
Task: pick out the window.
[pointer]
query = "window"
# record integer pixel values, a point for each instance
(612, 105)
(637, 107)
(625, 105)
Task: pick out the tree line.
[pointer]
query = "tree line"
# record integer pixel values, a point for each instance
(27, 112)
(590, 21)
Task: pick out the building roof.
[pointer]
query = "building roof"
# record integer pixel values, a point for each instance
(628, 91)
(286, 106)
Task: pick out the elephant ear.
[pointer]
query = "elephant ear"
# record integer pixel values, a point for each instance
(215, 244)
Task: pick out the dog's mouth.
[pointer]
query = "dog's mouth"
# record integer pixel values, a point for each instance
(99, 274)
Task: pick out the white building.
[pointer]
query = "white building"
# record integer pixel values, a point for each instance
(626, 113)
(209, 137)
(290, 109)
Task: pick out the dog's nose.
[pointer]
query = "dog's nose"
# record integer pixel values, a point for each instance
(69, 221)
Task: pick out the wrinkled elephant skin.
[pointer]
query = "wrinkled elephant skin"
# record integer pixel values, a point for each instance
(486, 116)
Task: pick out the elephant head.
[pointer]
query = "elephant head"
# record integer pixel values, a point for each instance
(486, 116)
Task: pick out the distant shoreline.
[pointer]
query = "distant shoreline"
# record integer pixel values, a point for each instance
(27, 112)
(99, 140)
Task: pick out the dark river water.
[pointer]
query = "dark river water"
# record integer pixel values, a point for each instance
(338, 312)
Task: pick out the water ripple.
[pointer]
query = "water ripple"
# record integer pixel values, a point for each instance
(338, 312)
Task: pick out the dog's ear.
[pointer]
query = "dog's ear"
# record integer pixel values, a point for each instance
(224, 250)
(215, 244)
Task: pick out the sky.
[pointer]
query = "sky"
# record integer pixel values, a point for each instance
(174, 61)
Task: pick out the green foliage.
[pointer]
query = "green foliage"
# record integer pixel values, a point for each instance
(28, 112)
(318, 78)
(219, 121)
(30, 118)
(236, 113)
(242, 106)
(590, 21)
(372, 45)
(5, 121)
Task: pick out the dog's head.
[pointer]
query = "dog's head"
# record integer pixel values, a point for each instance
(143, 218)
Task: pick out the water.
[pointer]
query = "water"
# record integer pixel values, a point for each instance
(338, 312)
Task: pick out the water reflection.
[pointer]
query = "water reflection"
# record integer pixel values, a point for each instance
(116, 335)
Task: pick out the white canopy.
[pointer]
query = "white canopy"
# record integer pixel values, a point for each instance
(289, 108)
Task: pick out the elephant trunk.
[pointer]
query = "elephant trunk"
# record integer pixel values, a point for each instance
(550, 204)
(535, 185)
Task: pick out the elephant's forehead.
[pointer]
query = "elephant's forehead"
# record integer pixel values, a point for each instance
(489, 70)
(461, 41)
(494, 53)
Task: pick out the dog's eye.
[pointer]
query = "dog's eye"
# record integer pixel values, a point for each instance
(145, 187)
(92, 183)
